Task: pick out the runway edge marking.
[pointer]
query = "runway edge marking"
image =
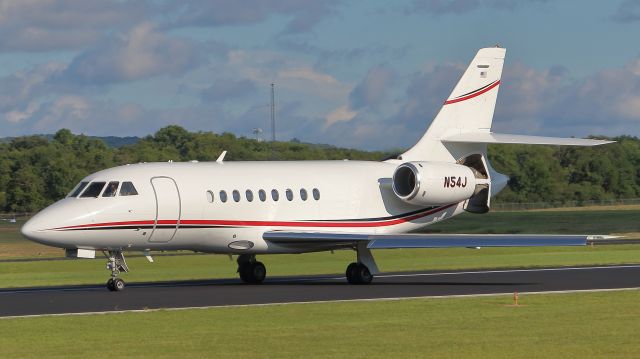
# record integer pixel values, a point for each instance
(389, 299)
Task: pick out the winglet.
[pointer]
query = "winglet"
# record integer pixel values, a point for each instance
(221, 157)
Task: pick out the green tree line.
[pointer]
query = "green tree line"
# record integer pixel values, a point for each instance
(36, 171)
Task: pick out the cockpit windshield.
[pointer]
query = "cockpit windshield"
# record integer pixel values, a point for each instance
(127, 189)
(112, 189)
(93, 190)
(76, 191)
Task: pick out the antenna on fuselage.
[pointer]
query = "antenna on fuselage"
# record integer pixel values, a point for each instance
(221, 157)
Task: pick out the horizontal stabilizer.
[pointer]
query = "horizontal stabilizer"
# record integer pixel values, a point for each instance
(388, 241)
(490, 137)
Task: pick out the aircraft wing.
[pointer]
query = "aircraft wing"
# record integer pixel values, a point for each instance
(388, 241)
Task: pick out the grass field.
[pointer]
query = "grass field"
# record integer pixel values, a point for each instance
(36, 273)
(586, 325)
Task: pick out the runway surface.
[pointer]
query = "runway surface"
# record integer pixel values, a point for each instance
(225, 292)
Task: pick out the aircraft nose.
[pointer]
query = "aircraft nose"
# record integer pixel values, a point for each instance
(39, 228)
(33, 230)
(44, 226)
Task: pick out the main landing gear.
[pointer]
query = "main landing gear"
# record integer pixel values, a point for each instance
(362, 271)
(115, 264)
(358, 273)
(250, 270)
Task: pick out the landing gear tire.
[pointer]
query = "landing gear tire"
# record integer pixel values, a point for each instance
(258, 272)
(110, 285)
(358, 273)
(352, 273)
(252, 272)
(115, 284)
(118, 284)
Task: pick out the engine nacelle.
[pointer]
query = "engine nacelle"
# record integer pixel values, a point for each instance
(433, 183)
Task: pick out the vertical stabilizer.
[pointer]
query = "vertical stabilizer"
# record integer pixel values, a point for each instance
(469, 108)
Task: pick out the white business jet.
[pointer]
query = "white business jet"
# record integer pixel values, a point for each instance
(251, 208)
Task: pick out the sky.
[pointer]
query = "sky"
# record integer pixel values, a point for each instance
(363, 74)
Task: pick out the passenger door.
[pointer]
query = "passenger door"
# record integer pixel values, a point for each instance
(168, 209)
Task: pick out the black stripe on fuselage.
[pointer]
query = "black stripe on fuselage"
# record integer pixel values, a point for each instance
(378, 219)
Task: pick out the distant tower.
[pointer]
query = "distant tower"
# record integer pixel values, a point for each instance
(273, 121)
(273, 112)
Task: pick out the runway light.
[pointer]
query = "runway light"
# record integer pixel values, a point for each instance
(515, 298)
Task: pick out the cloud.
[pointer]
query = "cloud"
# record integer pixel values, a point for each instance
(140, 53)
(83, 114)
(308, 74)
(228, 89)
(303, 15)
(373, 89)
(368, 94)
(21, 87)
(607, 98)
(54, 25)
(342, 113)
(550, 102)
(45, 25)
(442, 7)
(426, 93)
(628, 11)
(438, 7)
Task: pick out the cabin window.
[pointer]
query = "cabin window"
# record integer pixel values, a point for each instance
(262, 195)
(112, 189)
(236, 195)
(223, 196)
(128, 189)
(210, 196)
(303, 194)
(93, 190)
(76, 191)
(289, 194)
(249, 195)
(316, 194)
(274, 195)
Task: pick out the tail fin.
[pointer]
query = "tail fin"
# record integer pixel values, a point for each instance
(469, 108)
(462, 129)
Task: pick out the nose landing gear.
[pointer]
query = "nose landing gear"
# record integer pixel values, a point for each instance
(115, 264)
(250, 270)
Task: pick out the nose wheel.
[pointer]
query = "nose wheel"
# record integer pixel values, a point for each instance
(115, 284)
(115, 264)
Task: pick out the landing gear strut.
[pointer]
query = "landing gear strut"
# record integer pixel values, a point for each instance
(250, 270)
(362, 271)
(115, 264)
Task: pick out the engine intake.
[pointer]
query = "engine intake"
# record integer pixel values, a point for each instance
(433, 183)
